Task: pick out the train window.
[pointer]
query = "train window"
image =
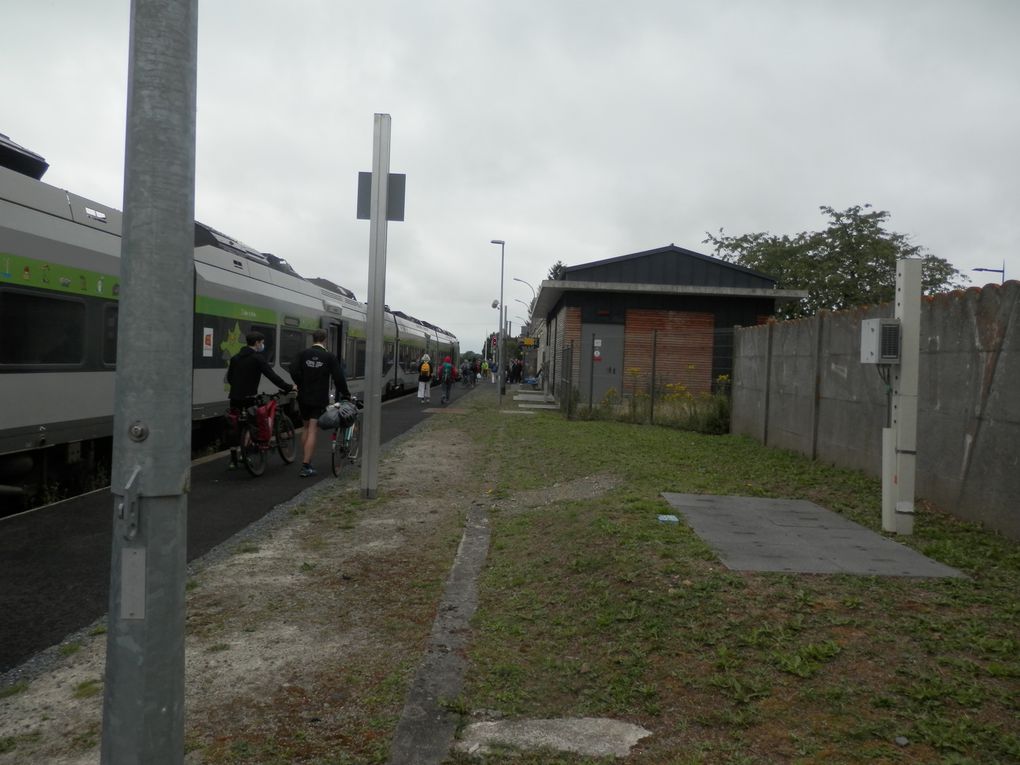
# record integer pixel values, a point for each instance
(355, 357)
(389, 356)
(41, 330)
(409, 356)
(292, 342)
(110, 334)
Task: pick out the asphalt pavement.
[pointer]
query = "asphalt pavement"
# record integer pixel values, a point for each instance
(55, 561)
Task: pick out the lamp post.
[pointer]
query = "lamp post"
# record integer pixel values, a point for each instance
(499, 349)
(533, 295)
(1000, 271)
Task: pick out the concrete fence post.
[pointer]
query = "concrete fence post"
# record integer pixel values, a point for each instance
(767, 392)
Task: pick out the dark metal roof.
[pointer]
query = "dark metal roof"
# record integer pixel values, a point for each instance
(670, 270)
(669, 265)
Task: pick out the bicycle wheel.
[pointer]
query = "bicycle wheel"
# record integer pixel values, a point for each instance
(252, 455)
(284, 429)
(337, 455)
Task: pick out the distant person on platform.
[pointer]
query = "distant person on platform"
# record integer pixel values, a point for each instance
(244, 374)
(447, 375)
(312, 369)
(424, 378)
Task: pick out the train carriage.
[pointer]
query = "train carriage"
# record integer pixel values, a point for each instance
(59, 290)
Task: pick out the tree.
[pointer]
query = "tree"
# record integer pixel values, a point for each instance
(558, 270)
(852, 262)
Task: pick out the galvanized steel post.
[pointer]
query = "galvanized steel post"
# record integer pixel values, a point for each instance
(143, 705)
(376, 301)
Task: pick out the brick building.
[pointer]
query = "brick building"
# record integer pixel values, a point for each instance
(602, 319)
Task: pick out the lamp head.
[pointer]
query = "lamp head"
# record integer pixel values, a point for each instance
(495, 304)
(497, 241)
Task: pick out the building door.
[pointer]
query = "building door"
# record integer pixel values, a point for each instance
(601, 362)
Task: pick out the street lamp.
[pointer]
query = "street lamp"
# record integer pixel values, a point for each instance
(502, 309)
(529, 287)
(1000, 271)
(526, 305)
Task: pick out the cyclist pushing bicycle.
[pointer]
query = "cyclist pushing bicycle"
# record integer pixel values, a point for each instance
(312, 370)
(243, 374)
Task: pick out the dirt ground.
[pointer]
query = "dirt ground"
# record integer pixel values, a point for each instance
(255, 627)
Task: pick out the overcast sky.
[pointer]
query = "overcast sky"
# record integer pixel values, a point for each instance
(576, 130)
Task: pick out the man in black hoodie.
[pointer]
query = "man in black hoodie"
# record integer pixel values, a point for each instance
(244, 374)
(312, 369)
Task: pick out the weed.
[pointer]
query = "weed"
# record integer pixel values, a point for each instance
(69, 649)
(13, 690)
(88, 689)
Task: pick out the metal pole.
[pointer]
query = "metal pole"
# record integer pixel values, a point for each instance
(376, 301)
(502, 315)
(143, 696)
(651, 398)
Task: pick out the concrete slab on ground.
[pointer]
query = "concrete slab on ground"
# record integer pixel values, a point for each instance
(527, 399)
(588, 736)
(794, 535)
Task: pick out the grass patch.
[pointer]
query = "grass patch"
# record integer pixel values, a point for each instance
(13, 690)
(88, 689)
(592, 608)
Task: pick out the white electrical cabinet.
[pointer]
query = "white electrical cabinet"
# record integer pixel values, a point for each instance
(880, 341)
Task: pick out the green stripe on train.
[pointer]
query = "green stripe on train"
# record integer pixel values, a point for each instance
(215, 307)
(28, 272)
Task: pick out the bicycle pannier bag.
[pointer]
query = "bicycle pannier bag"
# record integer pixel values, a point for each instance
(330, 419)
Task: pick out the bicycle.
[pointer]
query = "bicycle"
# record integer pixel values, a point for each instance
(345, 440)
(253, 441)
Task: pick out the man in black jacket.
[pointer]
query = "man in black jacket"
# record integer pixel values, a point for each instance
(244, 373)
(312, 370)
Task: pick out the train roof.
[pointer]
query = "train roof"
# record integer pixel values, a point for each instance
(19, 159)
(333, 287)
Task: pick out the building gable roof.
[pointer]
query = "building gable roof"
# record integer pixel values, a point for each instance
(668, 270)
(669, 265)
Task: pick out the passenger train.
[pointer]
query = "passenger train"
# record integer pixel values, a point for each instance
(59, 287)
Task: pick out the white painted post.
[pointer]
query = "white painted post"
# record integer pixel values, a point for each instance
(905, 385)
(889, 480)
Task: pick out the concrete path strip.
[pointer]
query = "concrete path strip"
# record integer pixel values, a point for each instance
(588, 736)
(427, 727)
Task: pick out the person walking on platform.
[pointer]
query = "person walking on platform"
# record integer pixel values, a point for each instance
(424, 378)
(447, 374)
(244, 372)
(312, 369)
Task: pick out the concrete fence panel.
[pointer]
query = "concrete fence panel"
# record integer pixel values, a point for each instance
(800, 385)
